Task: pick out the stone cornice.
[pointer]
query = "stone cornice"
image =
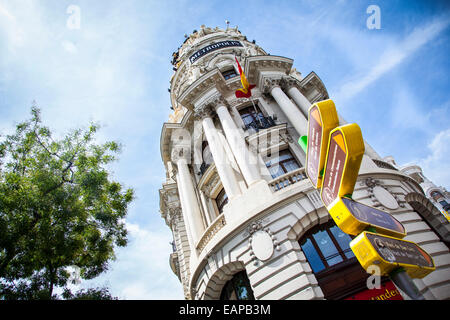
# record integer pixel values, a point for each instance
(210, 80)
(254, 65)
(310, 82)
(166, 133)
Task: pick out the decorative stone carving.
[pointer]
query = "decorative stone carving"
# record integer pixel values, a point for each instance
(269, 84)
(261, 241)
(216, 101)
(203, 111)
(174, 214)
(211, 184)
(385, 198)
(381, 196)
(296, 74)
(218, 224)
(180, 152)
(261, 245)
(288, 82)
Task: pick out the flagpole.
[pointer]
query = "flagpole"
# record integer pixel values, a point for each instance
(256, 111)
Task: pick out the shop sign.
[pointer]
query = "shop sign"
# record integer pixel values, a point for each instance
(387, 291)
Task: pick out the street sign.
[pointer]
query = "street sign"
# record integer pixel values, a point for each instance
(353, 218)
(344, 156)
(322, 118)
(333, 157)
(389, 253)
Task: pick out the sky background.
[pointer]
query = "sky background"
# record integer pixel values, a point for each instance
(115, 70)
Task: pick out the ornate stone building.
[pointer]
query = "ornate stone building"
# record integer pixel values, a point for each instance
(246, 222)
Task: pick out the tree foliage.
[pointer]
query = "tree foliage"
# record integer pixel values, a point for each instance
(59, 207)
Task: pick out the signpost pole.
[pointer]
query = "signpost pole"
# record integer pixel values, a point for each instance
(402, 279)
(405, 283)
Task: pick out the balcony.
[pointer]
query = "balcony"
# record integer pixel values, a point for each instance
(287, 179)
(211, 231)
(259, 124)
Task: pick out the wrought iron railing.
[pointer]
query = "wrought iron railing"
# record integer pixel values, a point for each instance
(260, 123)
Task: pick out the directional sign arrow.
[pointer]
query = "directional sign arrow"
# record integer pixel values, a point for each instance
(353, 217)
(322, 118)
(344, 156)
(389, 253)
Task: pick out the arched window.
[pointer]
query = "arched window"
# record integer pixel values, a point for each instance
(328, 252)
(238, 288)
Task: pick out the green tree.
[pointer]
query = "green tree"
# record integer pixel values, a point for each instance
(89, 294)
(59, 207)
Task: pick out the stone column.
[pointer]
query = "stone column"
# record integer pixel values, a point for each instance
(223, 167)
(292, 112)
(246, 160)
(293, 92)
(189, 203)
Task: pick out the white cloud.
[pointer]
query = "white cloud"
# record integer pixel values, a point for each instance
(142, 270)
(6, 13)
(69, 46)
(392, 57)
(436, 165)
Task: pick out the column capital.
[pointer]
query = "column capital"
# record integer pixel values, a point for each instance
(217, 100)
(203, 111)
(180, 154)
(208, 107)
(288, 82)
(269, 83)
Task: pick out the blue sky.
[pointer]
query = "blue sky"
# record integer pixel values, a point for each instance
(115, 69)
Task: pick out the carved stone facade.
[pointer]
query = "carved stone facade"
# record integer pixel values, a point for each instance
(241, 213)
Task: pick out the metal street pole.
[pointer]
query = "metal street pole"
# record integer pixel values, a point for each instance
(405, 283)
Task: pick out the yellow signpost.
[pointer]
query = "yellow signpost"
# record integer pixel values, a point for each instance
(322, 119)
(390, 253)
(353, 218)
(344, 156)
(340, 155)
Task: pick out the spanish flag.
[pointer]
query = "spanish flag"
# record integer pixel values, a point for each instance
(246, 90)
